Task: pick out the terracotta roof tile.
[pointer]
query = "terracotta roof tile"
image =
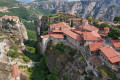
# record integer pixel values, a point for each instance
(88, 27)
(57, 31)
(84, 20)
(100, 22)
(60, 25)
(77, 31)
(115, 24)
(104, 32)
(73, 35)
(45, 36)
(95, 46)
(116, 43)
(111, 54)
(91, 36)
(15, 71)
(58, 36)
(10, 17)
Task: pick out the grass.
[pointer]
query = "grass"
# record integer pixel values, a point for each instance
(106, 72)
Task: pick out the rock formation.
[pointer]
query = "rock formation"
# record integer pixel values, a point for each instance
(101, 9)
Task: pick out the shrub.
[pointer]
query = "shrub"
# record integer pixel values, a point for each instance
(103, 25)
(26, 59)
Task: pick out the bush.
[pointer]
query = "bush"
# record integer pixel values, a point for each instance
(115, 33)
(26, 59)
(117, 19)
(103, 25)
(60, 48)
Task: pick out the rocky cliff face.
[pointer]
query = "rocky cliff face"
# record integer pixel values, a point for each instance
(21, 30)
(104, 9)
(5, 72)
(16, 33)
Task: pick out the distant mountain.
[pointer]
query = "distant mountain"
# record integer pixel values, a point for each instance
(101, 9)
(26, 1)
(7, 3)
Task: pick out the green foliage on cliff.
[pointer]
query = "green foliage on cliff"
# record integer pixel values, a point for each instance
(14, 52)
(95, 23)
(90, 20)
(30, 30)
(26, 59)
(53, 75)
(103, 25)
(60, 48)
(114, 33)
(106, 72)
(32, 35)
(117, 19)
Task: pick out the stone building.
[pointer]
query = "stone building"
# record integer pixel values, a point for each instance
(60, 26)
(87, 28)
(110, 57)
(91, 37)
(73, 38)
(94, 47)
(11, 18)
(116, 44)
(76, 21)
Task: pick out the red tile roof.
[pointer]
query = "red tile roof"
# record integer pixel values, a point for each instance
(57, 31)
(60, 25)
(111, 54)
(88, 27)
(95, 60)
(15, 71)
(58, 36)
(91, 36)
(10, 17)
(100, 22)
(116, 43)
(84, 20)
(15, 17)
(115, 24)
(75, 19)
(104, 32)
(95, 46)
(45, 36)
(73, 35)
(77, 31)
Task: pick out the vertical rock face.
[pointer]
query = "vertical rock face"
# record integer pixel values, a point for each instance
(22, 30)
(105, 9)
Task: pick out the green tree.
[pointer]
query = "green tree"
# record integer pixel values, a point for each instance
(95, 23)
(53, 76)
(115, 33)
(103, 25)
(81, 21)
(117, 19)
(90, 20)
(26, 59)
(72, 24)
(10, 53)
